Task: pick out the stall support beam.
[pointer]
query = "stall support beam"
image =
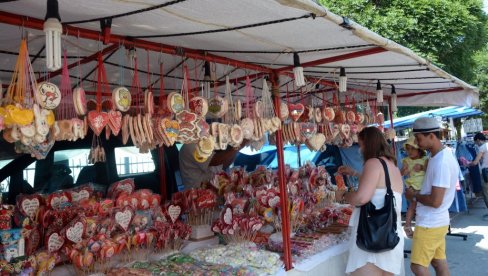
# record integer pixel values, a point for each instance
(162, 175)
(285, 217)
(391, 125)
(371, 51)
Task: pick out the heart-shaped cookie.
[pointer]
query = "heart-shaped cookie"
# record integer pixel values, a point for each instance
(28, 205)
(296, 111)
(199, 106)
(307, 130)
(54, 242)
(97, 121)
(175, 102)
(124, 218)
(316, 141)
(174, 212)
(115, 121)
(170, 129)
(58, 199)
(74, 233)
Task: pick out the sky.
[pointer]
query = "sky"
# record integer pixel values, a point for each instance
(485, 3)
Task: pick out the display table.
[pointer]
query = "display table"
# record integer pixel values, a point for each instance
(333, 261)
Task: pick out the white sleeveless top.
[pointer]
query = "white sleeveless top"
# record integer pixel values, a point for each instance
(390, 261)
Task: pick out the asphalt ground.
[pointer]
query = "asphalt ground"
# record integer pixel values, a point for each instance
(470, 256)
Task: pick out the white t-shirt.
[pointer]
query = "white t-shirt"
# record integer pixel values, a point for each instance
(484, 160)
(442, 171)
(192, 172)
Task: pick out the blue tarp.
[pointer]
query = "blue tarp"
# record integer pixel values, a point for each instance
(445, 112)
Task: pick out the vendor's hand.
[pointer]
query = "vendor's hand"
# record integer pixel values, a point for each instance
(339, 195)
(410, 193)
(346, 170)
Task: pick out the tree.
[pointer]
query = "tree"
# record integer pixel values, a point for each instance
(450, 33)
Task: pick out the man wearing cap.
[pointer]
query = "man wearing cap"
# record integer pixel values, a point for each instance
(433, 200)
(482, 159)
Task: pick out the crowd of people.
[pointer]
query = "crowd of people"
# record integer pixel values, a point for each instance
(430, 189)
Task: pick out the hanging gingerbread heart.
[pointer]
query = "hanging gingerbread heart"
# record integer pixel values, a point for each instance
(199, 106)
(170, 129)
(115, 121)
(316, 141)
(122, 98)
(296, 111)
(98, 121)
(308, 129)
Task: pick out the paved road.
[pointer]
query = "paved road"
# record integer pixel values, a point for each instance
(468, 257)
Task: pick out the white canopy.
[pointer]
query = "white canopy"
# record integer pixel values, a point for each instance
(259, 32)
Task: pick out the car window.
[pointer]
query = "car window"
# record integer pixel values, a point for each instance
(75, 160)
(30, 172)
(4, 184)
(130, 161)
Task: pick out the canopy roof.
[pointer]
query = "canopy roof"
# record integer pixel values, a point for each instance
(445, 112)
(254, 35)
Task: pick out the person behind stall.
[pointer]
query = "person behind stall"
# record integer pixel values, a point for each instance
(413, 168)
(482, 156)
(372, 187)
(433, 200)
(194, 173)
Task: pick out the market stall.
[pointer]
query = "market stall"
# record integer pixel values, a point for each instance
(196, 72)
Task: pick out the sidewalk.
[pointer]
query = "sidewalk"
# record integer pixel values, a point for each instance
(468, 257)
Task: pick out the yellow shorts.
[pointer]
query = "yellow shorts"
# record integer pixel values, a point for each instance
(428, 244)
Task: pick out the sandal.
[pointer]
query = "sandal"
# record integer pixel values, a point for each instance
(408, 231)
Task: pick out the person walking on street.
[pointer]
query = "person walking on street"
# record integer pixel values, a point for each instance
(433, 200)
(482, 159)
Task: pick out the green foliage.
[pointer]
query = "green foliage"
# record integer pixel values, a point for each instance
(450, 33)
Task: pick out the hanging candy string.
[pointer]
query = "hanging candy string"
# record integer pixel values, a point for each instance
(161, 88)
(66, 108)
(136, 84)
(148, 84)
(184, 86)
(248, 97)
(102, 83)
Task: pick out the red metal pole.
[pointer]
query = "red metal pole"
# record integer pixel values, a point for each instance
(357, 54)
(35, 23)
(87, 59)
(162, 175)
(391, 125)
(285, 216)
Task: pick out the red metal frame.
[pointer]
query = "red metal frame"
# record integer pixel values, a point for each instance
(357, 54)
(87, 59)
(285, 216)
(35, 23)
(454, 89)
